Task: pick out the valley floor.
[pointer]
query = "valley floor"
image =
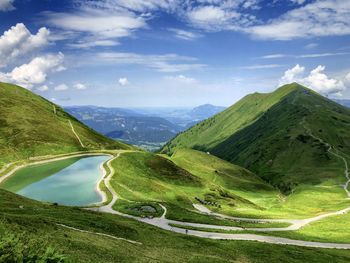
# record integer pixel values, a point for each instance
(198, 221)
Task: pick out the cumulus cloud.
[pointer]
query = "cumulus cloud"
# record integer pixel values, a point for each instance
(79, 86)
(6, 5)
(35, 72)
(181, 79)
(123, 82)
(19, 41)
(316, 80)
(61, 87)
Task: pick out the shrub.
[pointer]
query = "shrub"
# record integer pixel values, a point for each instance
(18, 248)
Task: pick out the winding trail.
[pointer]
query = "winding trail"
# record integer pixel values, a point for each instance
(100, 234)
(76, 135)
(166, 224)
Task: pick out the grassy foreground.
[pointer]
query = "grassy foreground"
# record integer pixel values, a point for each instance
(34, 220)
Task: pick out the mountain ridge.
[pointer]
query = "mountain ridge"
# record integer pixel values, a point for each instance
(268, 134)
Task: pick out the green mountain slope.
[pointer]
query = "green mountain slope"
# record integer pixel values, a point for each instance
(32, 126)
(186, 178)
(276, 136)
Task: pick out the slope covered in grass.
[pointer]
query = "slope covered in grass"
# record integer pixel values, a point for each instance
(215, 130)
(32, 126)
(306, 200)
(274, 135)
(191, 176)
(32, 223)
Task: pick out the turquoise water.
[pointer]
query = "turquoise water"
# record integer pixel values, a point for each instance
(74, 185)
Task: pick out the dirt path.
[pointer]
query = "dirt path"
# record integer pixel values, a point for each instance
(166, 224)
(76, 135)
(100, 234)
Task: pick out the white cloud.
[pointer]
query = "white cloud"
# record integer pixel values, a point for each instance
(347, 78)
(185, 35)
(299, 2)
(93, 43)
(319, 18)
(292, 75)
(123, 82)
(43, 88)
(214, 18)
(181, 79)
(274, 56)
(133, 5)
(19, 41)
(35, 72)
(322, 55)
(316, 80)
(97, 27)
(314, 55)
(79, 86)
(311, 46)
(6, 5)
(162, 63)
(265, 66)
(61, 87)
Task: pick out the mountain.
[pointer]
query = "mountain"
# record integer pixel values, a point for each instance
(343, 102)
(282, 136)
(205, 111)
(149, 128)
(183, 117)
(32, 126)
(126, 125)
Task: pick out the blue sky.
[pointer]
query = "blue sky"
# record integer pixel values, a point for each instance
(132, 53)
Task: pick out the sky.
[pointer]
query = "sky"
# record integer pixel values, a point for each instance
(168, 53)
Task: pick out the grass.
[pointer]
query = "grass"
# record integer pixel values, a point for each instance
(39, 221)
(29, 127)
(146, 177)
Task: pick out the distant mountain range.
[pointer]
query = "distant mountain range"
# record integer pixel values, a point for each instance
(146, 127)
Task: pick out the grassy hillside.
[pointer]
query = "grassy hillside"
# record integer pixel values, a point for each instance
(145, 177)
(190, 176)
(28, 228)
(211, 132)
(272, 135)
(32, 126)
